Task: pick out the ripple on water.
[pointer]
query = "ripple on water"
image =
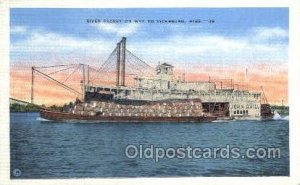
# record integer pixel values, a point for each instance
(45, 149)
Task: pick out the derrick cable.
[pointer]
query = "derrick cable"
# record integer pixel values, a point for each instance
(220, 80)
(94, 69)
(135, 67)
(141, 64)
(60, 70)
(102, 69)
(138, 67)
(111, 54)
(71, 74)
(108, 68)
(135, 62)
(139, 59)
(96, 76)
(57, 82)
(108, 63)
(54, 66)
(147, 71)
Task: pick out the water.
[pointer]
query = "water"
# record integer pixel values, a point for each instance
(277, 116)
(46, 149)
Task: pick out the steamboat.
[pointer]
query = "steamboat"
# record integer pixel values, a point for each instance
(161, 98)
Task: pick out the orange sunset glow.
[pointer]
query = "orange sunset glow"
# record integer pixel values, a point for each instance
(273, 78)
(244, 49)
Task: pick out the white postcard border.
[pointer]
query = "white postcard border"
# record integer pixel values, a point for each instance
(294, 88)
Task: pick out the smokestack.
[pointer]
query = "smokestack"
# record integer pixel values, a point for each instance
(123, 51)
(118, 65)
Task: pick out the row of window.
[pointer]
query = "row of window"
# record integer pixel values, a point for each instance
(240, 112)
(251, 106)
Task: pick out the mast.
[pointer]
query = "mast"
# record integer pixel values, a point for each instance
(118, 65)
(88, 75)
(32, 84)
(123, 50)
(264, 95)
(83, 83)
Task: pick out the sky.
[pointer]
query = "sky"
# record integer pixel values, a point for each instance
(236, 39)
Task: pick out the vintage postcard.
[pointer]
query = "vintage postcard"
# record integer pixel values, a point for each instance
(148, 92)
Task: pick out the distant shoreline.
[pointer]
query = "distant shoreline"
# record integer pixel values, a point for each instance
(15, 108)
(280, 109)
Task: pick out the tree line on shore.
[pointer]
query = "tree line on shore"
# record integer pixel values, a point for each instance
(16, 107)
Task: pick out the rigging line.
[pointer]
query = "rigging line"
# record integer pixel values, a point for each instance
(111, 54)
(103, 71)
(47, 78)
(71, 74)
(106, 77)
(104, 66)
(61, 84)
(109, 63)
(94, 69)
(109, 68)
(142, 69)
(225, 79)
(135, 67)
(60, 70)
(23, 101)
(137, 63)
(104, 63)
(134, 56)
(54, 66)
(67, 89)
(139, 59)
(138, 68)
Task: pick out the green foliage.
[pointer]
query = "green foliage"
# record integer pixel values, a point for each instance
(281, 109)
(56, 108)
(15, 107)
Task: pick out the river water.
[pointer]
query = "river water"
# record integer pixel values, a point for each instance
(45, 149)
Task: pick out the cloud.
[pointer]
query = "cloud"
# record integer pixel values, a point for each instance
(176, 49)
(121, 30)
(18, 30)
(42, 45)
(270, 33)
(212, 49)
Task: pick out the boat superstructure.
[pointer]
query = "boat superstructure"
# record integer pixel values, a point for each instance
(154, 95)
(223, 102)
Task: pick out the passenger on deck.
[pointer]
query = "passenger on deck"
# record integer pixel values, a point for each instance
(77, 101)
